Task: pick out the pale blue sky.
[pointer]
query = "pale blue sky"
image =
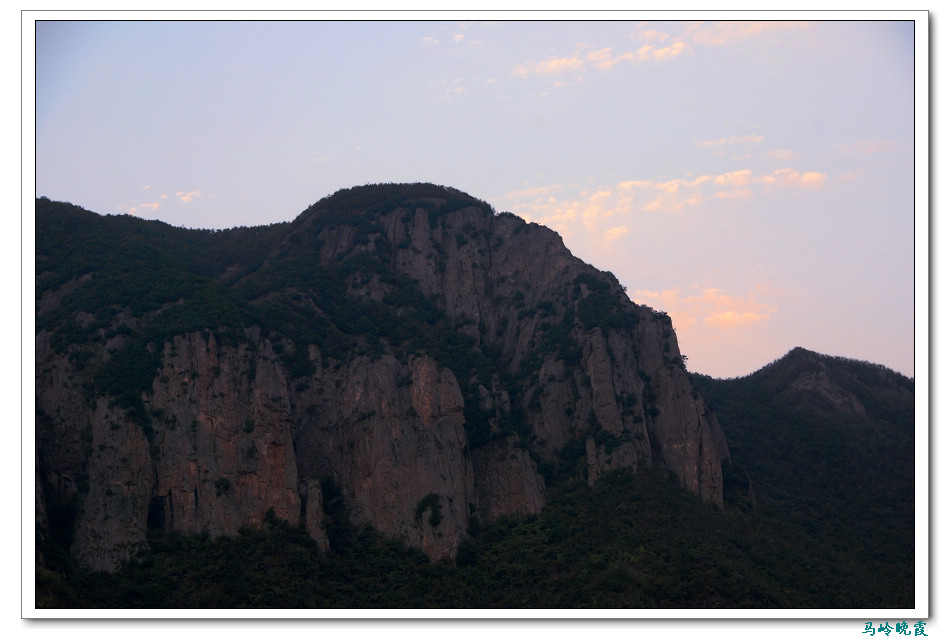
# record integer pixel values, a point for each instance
(753, 179)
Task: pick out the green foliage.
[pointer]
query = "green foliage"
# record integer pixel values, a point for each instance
(431, 503)
(603, 307)
(260, 568)
(364, 204)
(631, 541)
(842, 490)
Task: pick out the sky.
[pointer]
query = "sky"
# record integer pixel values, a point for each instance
(754, 179)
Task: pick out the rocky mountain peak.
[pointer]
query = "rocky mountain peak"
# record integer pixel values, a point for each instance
(431, 361)
(828, 385)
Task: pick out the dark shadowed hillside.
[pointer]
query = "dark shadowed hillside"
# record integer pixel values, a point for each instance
(825, 446)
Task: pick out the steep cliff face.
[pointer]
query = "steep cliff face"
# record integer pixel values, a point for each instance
(392, 436)
(433, 361)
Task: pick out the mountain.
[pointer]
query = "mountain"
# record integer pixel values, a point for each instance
(404, 399)
(399, 357)
(823, 455)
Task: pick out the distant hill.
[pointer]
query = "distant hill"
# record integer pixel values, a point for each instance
(404, 385)
(825, 445)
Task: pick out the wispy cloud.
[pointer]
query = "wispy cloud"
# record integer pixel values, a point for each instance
(563, 208)
(451, 88)
(866, 147)
(731, 140)
(551, 66)
(729, 319)
(649, 52)
(724, 33)
(652, 35)
(137, 209)
(188, 196)
(710, 306)
(603, 58)
(734, 179)
(655, 46)
(790, 178)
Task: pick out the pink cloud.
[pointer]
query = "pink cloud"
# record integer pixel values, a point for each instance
(652, 35)
(710, 305)
(866, 147)
(603, 59)
(730, 319)
(558, 207)
(792, 178)
(188, 196)
(729, 32)
(649, 52)
(552, 66)
(734, 178)
(151, 206)
(671, 51)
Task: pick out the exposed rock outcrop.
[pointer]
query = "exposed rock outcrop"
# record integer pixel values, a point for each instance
(420, 353)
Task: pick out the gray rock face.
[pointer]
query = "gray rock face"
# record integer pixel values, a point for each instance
(391, 434)
(508, 480)
(415, 448)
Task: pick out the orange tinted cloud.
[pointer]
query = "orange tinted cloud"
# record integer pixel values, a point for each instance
(792, 178)
(548, 205)
(671, 51)
(188, 196)
(552, 66)
(652, 35)
(734, 178)
(603, 59)
(730, 319)
(151, 206)
(710, 305)
(728, 32)
(649, 52)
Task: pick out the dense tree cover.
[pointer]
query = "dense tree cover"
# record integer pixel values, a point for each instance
(366, 203)
(843, 481)
(632, 541)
